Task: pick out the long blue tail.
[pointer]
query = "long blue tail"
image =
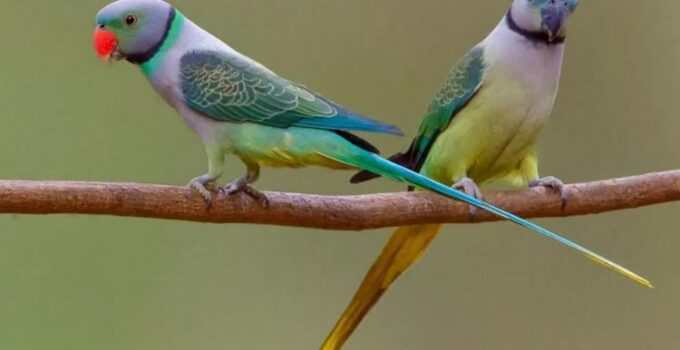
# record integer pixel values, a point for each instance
(378, 165)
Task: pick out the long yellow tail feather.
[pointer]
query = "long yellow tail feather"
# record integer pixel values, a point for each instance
(404, 248)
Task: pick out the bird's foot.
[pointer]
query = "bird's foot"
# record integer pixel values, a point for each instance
(205, 186)
(243, 185)
(469, 187)
(555, 184)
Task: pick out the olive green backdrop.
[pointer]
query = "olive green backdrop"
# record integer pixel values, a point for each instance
(74, 282)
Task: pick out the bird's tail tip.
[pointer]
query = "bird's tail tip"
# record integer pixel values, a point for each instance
(621, 270)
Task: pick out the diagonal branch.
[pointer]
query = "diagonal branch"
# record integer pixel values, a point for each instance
(326, 212)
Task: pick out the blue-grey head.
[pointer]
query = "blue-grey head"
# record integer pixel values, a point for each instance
(543, 16)
(132, 29)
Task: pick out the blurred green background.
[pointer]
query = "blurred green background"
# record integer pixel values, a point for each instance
(75, 282)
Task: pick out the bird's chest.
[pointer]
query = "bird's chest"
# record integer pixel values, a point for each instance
(526, 79)
(518, 105)
(165, 79)
(501, 125)
(167, 83)
(167, 90)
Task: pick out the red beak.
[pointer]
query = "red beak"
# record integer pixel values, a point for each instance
(105, 43)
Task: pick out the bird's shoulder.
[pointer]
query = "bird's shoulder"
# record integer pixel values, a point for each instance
(461, 85)
(464, 78)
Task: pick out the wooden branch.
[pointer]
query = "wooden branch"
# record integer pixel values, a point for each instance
(326, 212)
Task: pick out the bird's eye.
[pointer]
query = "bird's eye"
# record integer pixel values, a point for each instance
(130, 20)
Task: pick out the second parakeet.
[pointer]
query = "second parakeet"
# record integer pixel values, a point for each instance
(481, 127)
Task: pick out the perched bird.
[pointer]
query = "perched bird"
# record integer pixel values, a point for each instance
(481, 127)
(239, 107)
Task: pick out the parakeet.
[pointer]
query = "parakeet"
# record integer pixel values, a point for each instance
(481, 127)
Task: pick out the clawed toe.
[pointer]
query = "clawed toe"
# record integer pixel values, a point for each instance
(230, 189)
(205, 187)
(469, 187)
(555, 184)
(239, 186)
(257, 195)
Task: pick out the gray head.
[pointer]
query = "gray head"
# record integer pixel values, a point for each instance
(543, 17)
(132, 29)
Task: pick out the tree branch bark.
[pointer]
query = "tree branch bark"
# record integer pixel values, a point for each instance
(326, 212)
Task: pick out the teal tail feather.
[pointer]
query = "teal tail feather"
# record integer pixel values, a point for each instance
(384, 167)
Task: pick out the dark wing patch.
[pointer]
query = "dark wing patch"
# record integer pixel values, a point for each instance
(358, 141)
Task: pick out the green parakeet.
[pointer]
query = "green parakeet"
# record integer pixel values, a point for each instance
(482, 126)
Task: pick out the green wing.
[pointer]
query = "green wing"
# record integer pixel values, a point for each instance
(463, 83)
(234, 89)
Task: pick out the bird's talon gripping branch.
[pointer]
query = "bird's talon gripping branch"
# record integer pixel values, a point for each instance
(234, 187)
(242, 185)
(555, 184)
(205, 186)
(469, 187)
(257, 195)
